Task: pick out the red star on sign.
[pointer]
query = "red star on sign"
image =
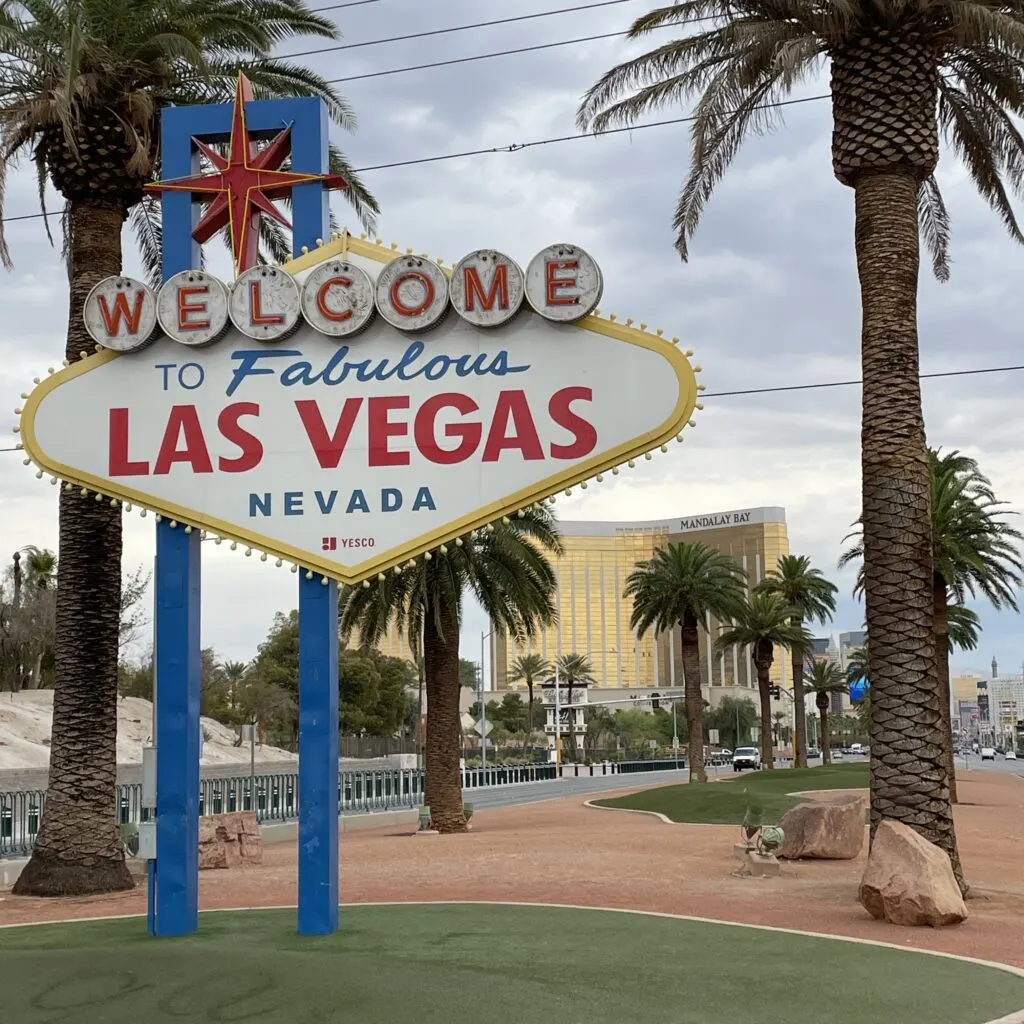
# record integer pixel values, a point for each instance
(244, 185)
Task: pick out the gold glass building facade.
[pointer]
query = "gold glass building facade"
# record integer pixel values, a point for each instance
(594, 615)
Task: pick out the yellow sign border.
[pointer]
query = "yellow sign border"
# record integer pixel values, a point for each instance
(385, 560)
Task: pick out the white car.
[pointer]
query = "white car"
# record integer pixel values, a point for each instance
(1010, 755)
(746, 757)
(988, 753)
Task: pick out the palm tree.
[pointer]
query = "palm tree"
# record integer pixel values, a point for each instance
(814, 597)
(233, 673)
(505, 567)
(975, 552)
(573, 668)
(778, 724)
(899, 72)
(528, 668)
(686, 585)
(39, 569)
(81, 92)
(964, 627)
(764, 622)
(823, 678)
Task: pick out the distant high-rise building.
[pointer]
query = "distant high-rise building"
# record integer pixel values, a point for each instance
(593, 614)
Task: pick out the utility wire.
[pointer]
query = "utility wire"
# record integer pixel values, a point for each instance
(810, 387)
(515, 147)
(851, 383)
(338, 7)
(477, 56)
(457, 28)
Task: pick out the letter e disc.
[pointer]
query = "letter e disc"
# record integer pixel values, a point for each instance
(564, 283)
(487, 288)
(337, 299)
(193, 308)
(120, 314)
(264, 304)
(412, 293)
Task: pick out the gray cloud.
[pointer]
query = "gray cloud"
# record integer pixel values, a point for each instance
(769, 297)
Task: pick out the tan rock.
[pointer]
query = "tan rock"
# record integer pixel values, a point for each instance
(832, 830)
(909, 881)
(229, 840)
(251, 849)
(212, 855)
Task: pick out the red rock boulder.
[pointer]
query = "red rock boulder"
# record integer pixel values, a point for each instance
(909, 881)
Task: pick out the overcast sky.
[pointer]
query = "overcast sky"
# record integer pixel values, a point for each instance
(768, 299)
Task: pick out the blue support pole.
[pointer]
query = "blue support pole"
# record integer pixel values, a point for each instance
(318, 756)
(177, 730)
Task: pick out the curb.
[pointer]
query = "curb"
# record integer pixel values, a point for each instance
(1015, 1017)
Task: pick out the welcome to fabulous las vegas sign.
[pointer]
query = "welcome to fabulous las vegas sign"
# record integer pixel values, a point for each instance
(356, 408)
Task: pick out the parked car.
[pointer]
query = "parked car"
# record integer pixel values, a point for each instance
(813, 752)
(988, 753)
(746, 757)
(837, 755)
(1010, 755)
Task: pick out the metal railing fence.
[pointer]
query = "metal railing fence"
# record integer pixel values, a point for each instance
(275, 797)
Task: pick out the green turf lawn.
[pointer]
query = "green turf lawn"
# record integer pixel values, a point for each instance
(725, 802)
(458, 964)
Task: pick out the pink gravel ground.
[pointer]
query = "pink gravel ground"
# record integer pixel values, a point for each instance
(563, 852)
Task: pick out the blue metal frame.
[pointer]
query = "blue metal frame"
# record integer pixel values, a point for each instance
(176, 872)
(177, 730)
(318, 756)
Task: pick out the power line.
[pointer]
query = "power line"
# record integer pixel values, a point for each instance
(515, 147)
(851, 383)
(477, 56)
(811, 387)
(338, 7)
(457, 28)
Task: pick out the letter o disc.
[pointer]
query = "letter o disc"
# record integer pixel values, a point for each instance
(120, 314)
(337, 299)
(192, 308)
(412, 293)
(564, 283)
(264, 304)
(487, 288)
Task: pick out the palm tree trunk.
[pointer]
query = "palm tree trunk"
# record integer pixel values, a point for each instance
(572, 722)
(826, 740)
(443, 786)
(529, 711)
(941, 606)
(690, 652)
(908, 774)
(800, 731)
(79, 850)
(763, 664)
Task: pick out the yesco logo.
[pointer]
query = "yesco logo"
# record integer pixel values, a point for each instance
(562, 283)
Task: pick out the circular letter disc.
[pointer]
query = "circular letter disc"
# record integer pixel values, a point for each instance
(264, 304)
(337, 299)
(487, 288)
(192, 308)
(120, 314)
(563, 283)
(412, 293)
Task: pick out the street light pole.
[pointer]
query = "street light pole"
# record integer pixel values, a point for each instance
(483, 703)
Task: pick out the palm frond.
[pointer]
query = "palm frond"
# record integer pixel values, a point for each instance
(934, 220)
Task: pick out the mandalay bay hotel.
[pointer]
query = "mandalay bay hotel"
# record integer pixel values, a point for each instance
(594, 616)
